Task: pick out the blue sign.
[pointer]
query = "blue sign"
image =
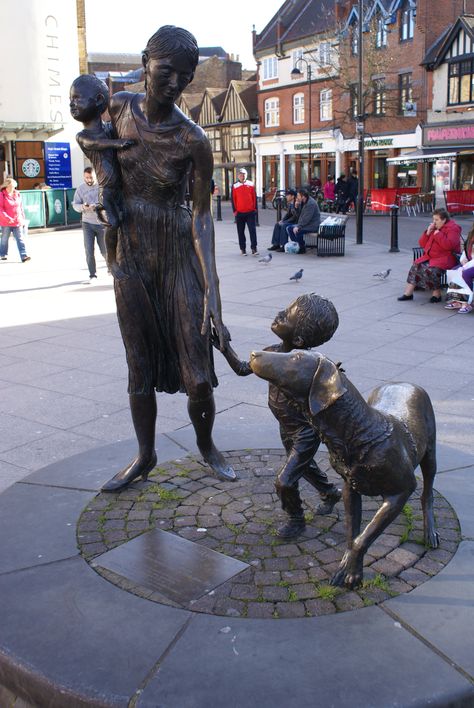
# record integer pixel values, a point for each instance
(57, 157)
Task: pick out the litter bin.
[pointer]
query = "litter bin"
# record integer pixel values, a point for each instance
(55, 207)
(331, 238)
(33, 205)
(72, 216)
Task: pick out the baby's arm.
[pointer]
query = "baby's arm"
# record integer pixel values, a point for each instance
(103, 143)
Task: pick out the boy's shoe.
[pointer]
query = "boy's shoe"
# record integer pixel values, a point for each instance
(26, 258)
(327, 503)
(292, 528)
(254, 252)
(243, 253)
(3, 258)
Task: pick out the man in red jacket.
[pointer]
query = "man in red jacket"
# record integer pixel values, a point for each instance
(244, 206)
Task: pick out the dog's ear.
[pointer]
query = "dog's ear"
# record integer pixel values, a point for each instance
(326, 387)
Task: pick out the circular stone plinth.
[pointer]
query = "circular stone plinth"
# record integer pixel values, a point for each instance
(239, 519)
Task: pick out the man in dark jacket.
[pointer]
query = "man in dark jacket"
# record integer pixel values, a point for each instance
(309, 219)
(280, 237)
(342, 194)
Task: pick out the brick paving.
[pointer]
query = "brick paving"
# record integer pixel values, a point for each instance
(284, 579)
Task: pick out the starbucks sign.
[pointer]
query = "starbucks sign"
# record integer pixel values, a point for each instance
(31, 168)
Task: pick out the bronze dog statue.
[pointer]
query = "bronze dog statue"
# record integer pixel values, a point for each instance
(375, 446)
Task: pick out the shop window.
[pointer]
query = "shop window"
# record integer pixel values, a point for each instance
(461, 82)
(355, 39)
(270, 68)
(298, 108)
(380, 32)
(407, 23)
(272, 112)
(325, 105)
(380, 97)
(405, 91)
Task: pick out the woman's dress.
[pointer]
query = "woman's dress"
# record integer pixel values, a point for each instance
(160, 305)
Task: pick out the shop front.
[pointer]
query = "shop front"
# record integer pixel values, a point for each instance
(458, 138)
(379, 171)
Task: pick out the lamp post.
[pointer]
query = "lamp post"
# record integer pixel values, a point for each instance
(360, 129)
(309, 75)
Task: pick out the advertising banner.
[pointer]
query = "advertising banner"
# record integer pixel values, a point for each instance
(33, 205)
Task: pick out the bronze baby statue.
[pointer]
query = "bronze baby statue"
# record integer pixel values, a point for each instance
(375, 446)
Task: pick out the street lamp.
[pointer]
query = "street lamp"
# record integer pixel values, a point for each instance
(309, 73)
(360, 129)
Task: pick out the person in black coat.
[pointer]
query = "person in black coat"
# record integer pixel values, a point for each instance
(342, 194)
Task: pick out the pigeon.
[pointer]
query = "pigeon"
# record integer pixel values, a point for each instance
(298, 275)
(266, 259)
(383, 275)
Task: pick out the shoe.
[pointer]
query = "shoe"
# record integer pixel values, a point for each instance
(243, 253)
(3, 258)
(281, 249)
(128, 475)
(405, 297)
(26, 258)
(453, 305)
(302, 249)
(465, 309)
(433, 299)
(328, 502)
(273, 248)
(91, 277)
(292, 529)
(254, 252)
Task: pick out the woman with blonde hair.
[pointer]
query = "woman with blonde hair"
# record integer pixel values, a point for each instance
(12, 219)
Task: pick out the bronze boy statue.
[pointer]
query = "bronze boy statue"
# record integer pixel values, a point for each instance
(308, 322)
(88, 100)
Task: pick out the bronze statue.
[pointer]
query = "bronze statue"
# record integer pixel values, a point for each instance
(170, 297)
(375, 446)
(308, 322)
(88, 100)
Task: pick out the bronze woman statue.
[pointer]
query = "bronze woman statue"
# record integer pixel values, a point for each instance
(170, 299)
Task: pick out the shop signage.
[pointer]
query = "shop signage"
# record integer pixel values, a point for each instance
(305, 146)
(378, 142)
(454, 134)
(57, 158)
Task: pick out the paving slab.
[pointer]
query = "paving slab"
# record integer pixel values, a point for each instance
(70, 639)
(458, 488)
(358, 660)
(38, 525)
(442, 611)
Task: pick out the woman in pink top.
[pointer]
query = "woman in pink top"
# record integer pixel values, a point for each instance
(330, 190)
(12, 219)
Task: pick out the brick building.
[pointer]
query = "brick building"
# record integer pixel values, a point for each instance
(397, 88)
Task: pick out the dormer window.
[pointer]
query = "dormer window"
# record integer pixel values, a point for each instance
(380, 32)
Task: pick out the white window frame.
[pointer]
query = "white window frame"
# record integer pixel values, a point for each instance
(325, 104)
(272, 112)
(270, 68)
(296, 55)
(298, 108)
(325, 54)
(380, 32)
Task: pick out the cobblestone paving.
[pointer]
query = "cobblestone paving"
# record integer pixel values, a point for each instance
(284, 579)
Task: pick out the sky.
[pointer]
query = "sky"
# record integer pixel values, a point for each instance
(126, 25)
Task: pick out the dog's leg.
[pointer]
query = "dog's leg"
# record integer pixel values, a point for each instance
(350, 571)
(428, 469)
(353, 516)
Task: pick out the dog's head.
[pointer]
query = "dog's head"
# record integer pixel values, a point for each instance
(307, 377)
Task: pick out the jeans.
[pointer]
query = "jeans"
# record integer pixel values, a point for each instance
(248, 218)
(92, 232)
(17, 232)
(299, 237)
(280, 236)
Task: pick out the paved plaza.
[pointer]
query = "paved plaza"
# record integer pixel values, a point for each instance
(65, 428)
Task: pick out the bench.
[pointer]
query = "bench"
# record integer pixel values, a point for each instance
(417, 253)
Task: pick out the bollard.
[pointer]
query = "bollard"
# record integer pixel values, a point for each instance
(264, 204)
(394, 229)
(219, 208)
(279, 200)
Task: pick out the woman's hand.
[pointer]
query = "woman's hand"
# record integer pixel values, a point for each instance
(212, 313)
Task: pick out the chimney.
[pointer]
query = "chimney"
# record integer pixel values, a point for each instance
(278, 42)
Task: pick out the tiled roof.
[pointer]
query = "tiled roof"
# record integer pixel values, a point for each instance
(298, 19)
(247, 91)
(435, 54)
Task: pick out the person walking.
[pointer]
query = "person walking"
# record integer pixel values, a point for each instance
(353, 189)
(342, 194)
(85, 202)
(12, 219)
(244, 206)
(309, 219)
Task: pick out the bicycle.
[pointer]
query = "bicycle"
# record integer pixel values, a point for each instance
(279, 198)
